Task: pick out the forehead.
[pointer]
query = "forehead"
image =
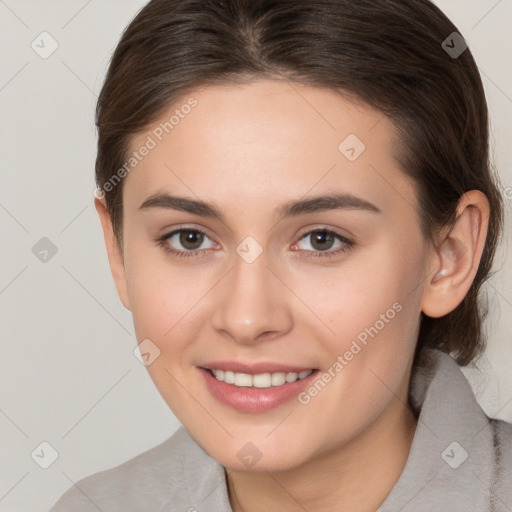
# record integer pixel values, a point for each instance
(268, 141)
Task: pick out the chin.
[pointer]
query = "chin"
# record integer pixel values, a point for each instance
(258, 455)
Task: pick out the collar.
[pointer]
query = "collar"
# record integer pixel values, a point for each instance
(451, 461)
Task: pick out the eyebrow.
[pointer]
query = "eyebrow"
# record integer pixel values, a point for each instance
(333, 201)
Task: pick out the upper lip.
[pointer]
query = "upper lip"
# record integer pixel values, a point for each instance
(254, 368)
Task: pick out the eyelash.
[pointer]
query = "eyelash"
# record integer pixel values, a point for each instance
(348, 244)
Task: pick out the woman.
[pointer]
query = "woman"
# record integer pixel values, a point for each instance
(299, 212)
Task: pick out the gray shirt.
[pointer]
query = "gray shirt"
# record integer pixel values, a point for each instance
(460, 461)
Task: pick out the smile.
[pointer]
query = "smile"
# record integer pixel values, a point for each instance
(255, 392)
(260, 380)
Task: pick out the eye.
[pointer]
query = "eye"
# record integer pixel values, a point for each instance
(184, 242)
(191, 240)
(322, 241)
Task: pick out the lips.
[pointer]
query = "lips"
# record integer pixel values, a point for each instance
(249, 391)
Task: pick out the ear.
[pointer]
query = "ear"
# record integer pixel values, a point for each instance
(115, 256)
(457, 256)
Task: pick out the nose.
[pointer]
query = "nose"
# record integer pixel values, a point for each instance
(251, 303)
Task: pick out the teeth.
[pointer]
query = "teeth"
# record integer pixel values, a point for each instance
(229, 377)
(243, 379)
(261, 380)
(278, 379)
(291, 377)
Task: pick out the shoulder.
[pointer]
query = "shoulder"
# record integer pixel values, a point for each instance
(461, 457)
(147, 481)
(502, 436)
(502, 442)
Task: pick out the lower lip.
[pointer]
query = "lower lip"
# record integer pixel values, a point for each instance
(254, 399)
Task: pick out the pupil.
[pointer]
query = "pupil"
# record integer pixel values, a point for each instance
(323, 237)
(191, 237)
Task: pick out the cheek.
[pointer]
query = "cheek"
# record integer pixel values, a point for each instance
(373, 310)
(375, 330)
(162, 295)
(166, 304)
(368, 288)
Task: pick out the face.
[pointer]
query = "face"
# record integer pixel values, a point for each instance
(311, 306)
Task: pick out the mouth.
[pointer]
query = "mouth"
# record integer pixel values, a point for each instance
(260, 380)
(256, 392)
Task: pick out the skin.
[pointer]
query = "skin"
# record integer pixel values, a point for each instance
(249, 149)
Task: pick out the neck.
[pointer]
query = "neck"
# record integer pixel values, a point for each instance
(339, 480)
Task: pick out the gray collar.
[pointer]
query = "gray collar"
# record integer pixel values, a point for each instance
(451, 461)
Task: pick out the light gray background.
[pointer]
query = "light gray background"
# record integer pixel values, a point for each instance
(68, 374)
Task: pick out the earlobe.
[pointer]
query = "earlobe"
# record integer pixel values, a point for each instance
(115, 256)
(457, 256)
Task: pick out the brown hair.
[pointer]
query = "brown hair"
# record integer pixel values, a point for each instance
(387, 53)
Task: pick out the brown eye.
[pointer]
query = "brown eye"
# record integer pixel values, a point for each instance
(186, 242)
(322, 240)
(191, 239)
